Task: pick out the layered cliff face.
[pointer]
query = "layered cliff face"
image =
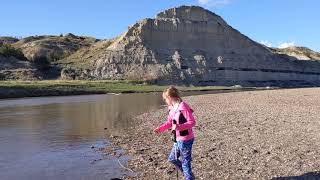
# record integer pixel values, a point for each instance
(195, 46)
(180, 43)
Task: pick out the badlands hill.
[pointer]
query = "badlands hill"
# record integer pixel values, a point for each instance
(32, 57)
(191, 45)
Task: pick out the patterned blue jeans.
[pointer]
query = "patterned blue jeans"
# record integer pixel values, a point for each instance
(183, 149)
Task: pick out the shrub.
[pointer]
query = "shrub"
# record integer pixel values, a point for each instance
(43, 63)
(7, 50)
(52, 57)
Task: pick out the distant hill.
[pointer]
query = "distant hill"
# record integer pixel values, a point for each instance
(52, 48)
(301, 53)
(35, 56)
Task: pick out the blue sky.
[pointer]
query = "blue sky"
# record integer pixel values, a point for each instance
(273, 22)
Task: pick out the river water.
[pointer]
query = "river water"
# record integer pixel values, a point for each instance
(58, 137)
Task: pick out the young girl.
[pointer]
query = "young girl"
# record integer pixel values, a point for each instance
(181, 120)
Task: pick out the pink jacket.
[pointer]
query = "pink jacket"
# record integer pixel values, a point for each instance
(185, 122)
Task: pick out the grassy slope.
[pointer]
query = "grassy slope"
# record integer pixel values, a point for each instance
(83, 58)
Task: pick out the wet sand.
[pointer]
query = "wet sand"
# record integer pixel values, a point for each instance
(241, 135)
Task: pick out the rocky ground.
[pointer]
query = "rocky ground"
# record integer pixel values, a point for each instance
(272, 134)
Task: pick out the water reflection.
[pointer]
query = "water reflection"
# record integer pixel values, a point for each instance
(34, 131)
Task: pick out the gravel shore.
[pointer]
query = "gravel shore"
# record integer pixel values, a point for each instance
(272, 134)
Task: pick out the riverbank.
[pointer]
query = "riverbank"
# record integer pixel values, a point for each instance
(240, 135)
(17, 89)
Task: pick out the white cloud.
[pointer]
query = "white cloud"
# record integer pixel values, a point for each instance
(266, 43)
(212, 3)
(286, 44)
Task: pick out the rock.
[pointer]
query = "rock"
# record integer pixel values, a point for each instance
(71, 35)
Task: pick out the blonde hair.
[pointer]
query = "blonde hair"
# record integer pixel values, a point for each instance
(172, 92)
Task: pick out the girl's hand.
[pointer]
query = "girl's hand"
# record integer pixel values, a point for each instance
(156, 130)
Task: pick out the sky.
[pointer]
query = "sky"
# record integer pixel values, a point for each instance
(275, 23)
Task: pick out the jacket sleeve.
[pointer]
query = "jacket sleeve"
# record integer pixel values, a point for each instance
(166, 125)
(190, 121)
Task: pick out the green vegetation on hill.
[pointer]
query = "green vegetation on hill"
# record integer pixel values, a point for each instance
(52, 48)
(7, 50)
(82, 59)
